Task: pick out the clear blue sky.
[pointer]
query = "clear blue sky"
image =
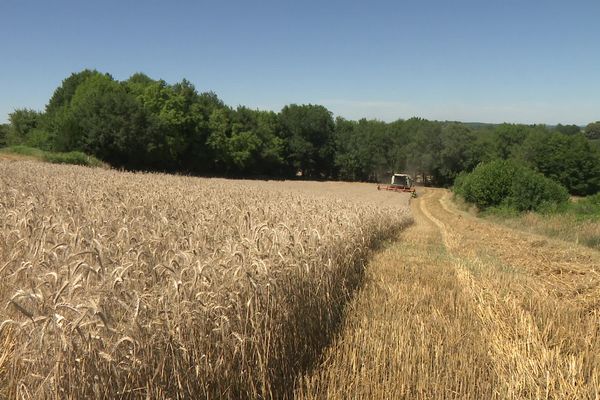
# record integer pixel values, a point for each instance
(485, 60)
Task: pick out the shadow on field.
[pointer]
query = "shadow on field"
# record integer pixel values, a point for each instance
(317, 316)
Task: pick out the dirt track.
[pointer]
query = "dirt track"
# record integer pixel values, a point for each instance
(537, 298)
(462, 308)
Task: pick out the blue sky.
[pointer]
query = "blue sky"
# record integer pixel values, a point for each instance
(488, 61)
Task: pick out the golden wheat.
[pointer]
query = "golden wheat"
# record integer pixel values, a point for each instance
(122, 285)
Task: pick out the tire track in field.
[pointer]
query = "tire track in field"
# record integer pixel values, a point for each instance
(528, 362)
(410, 333)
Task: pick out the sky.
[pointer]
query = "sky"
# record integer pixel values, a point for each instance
(475, 61)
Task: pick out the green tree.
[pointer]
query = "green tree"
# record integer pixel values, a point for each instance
(567, 129)
(23, 123)
(309, 134)
(508, 139)
(457, 153)
(592, 130)
(348, 158)
(423, 150)
(3, 133)
(63, 95)
(104, 120)
(57, 120)
(137, 83)
(364, 149)
(178, 123)
(569, 160)
(245, 141)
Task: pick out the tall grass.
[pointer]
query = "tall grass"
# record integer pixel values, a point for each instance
(578, 221)
(72, 157)
(119, 285)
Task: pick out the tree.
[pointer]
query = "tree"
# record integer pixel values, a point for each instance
(3, 132)
(348, 160)
(508, 138)
(457, 152)
(569, 160)
(23, 123)
(424, 148)
(137, 83)
(309, 134)
(104, 120)
(245, 141)
(567, 129)
(592, 130)
(64, 93)
(364, 149)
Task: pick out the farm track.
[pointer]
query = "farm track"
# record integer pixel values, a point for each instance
(462, 308)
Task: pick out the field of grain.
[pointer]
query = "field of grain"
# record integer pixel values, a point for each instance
(462, 308)
(122, 285)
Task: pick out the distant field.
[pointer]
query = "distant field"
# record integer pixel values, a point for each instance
(122, 285)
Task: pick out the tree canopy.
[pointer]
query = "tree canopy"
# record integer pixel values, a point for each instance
(148, 124)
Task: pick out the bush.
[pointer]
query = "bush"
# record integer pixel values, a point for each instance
(504, 183)
(73, 157)
(24, 151)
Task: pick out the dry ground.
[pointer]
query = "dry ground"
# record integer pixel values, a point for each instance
(461, 308)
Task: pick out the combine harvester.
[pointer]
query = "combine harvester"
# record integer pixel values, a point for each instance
(400, 183)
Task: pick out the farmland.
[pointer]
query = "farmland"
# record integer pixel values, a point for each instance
(139, 285)
(123, 285)
(463, 308)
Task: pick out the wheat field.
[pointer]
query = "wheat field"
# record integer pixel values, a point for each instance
(462, 308)
(123, 285)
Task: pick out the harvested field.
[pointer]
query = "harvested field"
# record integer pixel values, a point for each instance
(461, 308)
(122, 285)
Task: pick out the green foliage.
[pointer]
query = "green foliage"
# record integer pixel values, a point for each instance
(457, 152)
(73, 157)
(503, 183)
(587, 207)
(364, 149)
(63, 95)
(103, 120)
(246, 140)
(508, 138)
(567, 129)
(592, 130)
(570, 160)
(24, 151)
(142, 123)
(422, 151)
(39, 138)
(3, 133)
(309, 133)
(22, 123)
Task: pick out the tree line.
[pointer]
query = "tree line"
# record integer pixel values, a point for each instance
(147, 124)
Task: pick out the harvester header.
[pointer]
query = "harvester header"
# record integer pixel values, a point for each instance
(400, 183)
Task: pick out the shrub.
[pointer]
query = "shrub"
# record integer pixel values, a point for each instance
(24, 151)
(509, 184)
(73, 157)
